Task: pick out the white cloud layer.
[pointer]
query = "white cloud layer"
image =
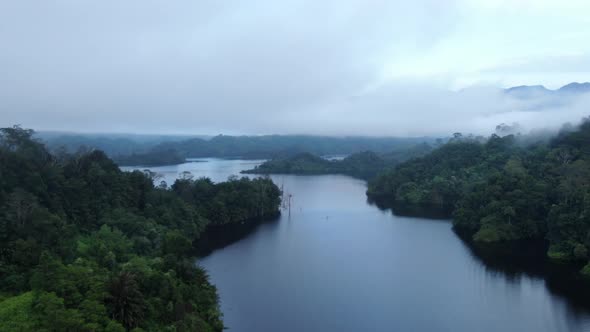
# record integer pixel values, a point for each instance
(348, 67)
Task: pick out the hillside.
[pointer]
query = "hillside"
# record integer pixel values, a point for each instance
(364, 165)
(87, 247)
(502, 190)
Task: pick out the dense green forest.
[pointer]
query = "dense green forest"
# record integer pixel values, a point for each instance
(172, 150)
(87, 247)
(364, 165)
(502, 189)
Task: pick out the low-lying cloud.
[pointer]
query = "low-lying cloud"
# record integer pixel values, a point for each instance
(402, 109)
(208, 67)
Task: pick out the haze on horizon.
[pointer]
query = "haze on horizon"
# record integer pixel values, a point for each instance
(352, 67)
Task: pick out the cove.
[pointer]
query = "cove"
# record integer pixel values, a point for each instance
(339, 263)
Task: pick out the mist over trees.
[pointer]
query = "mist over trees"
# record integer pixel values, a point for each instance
(503, 190)
(172, 150)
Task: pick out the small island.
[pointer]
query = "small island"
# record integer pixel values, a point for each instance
(364, 165)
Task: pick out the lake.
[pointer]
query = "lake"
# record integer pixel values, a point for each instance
(338, 263)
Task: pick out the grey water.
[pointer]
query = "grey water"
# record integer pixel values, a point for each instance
(338, 263)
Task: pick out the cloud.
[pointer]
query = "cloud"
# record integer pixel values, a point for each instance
(241, 67)
(419, 109)
(192, 65)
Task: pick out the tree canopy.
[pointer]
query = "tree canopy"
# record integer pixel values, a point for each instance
(87, 247)
(501, 189)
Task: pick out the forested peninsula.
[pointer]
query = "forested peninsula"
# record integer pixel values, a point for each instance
(503, 189)
(87, 247)
(361, 165)
(364, 165)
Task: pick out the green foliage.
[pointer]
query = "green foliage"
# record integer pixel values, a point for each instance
(233, 201)
(495, 233)
(51, 314)
(126, 300)
(558, 254)
(364, 165)
(580, 252)
(113, 326)
(15, 313)
(586, 271)
(434, 180)
(502, 190)
(87, 247)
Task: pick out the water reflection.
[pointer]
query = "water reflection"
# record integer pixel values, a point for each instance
(406, 210)
(515, 260)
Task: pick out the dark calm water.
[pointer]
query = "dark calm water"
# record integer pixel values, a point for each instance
(340, 264)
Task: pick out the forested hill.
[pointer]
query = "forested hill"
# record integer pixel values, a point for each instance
(364, 165)
(87, 247)
(502, 190)
(276, 145)
(125, 152)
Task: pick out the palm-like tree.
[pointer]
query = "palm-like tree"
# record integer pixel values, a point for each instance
(126, 300)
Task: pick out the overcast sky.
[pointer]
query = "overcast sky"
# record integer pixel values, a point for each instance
(347, 67)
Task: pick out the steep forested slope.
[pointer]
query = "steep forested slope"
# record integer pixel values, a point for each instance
(502, 190)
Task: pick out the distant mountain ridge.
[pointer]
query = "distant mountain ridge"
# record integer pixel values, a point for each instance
(531, 91)
(576, 87)
(169, 150)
